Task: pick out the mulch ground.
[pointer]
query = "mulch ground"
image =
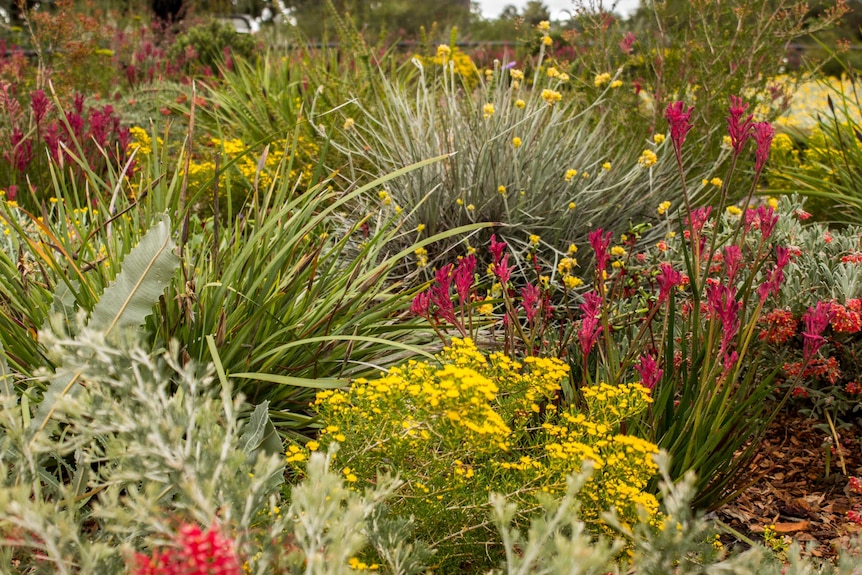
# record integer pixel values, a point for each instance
(795, 490)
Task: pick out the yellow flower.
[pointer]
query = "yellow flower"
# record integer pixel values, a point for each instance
(547, 41)
(618, 251)
(606, 166)
(544, 26)
(502, 189)
(534, 239)
(459, 201)
(516, 141)
(551, 97)
(53, 200)
(570, 174)
(443, 51)
(553, 72)
(516, 74)
(616, 84)
(486, 308)
(647, 159)
(349, 476)
(470, 207)
(658, 138)
(420, 228)
(572, 205)
(734, 210)
(773, 203)
(488, 110)
(313, 445)
(716, 182)
(602, 79)
(663, 207)
(563, 77)
(520, 104)
(726, 141)
(571, 282)
(573, 249)
(349, 123)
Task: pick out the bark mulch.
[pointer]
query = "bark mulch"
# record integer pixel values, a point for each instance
(795, 491)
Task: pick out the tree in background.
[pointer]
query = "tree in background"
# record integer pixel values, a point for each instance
(402, 17)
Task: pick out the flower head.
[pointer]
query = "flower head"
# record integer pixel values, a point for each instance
(667, 279)
(196, 552)
(738, 129)
(763, 134)
(600, 242)
(680, 123)
(648, 369)
(815, 320)
(590, 324)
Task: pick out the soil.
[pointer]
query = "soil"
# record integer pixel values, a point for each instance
(800, 490)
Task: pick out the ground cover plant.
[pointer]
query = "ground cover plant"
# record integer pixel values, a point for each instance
(292, 312)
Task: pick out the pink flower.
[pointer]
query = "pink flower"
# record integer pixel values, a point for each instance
(195, 552)
(464, 276)
(439, 294)
(738, 128)
(420, 304)
(776, 275)
(40, 104)
(496, 248)
(680, 123)
(627, 42)
(724, 308)
(699, 217)
(648, 369)
(815, 320)
(763, 134)
(503, 271)
(668, 278)
(590, 324)
(600, 243)
(732, 261)
(530, 295)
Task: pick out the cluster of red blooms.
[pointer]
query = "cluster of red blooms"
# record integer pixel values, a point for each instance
(817, 367)
(780, 326)
(854, 258)
(195, 552)
(847, 319)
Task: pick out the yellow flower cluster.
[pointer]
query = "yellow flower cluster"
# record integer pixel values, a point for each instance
(551, 97)
(647, 159)
(469, 423)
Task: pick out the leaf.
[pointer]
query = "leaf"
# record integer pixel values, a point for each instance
(146, 272)
(254, 429)
(5, 376)
(126, 303)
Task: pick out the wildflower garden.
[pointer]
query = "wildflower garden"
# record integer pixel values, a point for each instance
(586, 301)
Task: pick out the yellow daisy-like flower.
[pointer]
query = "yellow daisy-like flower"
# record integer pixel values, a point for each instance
(571, 282)
(648, 159)
(616, 84)
(516, 74)
(572, 205)
(534, 239)
(520, 104)
(459, 201)
(601, 79)
(502, 189)
(606, 166)
(470, 207)
(544, 26)
(547, 41)
(488, 110)
(658, 138)
(420, 228)
(551, 97)
(734, 210)
(716, 182)
(349, 123)
(570, 175)
(772, 202)
(663, 207)
(516, 141)
(563, 77)
(553, 72)
(443, 51)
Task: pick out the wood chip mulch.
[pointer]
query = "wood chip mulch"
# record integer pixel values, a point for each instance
(794, 492)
